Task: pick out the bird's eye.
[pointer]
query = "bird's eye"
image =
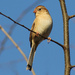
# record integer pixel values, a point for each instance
(40, 9)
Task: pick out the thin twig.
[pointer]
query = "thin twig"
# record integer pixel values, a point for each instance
(16, 46)
(71, 16)
(30, 30)
(72, 66)
(58, 43)
(19, 19)
(12, 62)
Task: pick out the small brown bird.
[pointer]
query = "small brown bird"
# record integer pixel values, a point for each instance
(42, 25)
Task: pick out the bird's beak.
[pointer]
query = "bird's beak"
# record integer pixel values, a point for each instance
(34, 11)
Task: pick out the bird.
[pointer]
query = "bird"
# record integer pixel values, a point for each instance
(42, 25)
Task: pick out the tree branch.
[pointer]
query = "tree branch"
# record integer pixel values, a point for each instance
(16, 46)
(71, 16)
(18, 20)
(72, 66)
(66, 37)
(30, 30)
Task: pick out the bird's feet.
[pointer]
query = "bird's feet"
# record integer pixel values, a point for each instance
(37, 34)
(49, 39)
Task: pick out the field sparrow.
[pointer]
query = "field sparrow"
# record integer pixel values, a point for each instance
(42, 25)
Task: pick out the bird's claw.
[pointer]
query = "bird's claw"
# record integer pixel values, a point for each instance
(49, 39)
(37, 34)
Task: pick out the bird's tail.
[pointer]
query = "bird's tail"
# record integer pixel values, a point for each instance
(31, 57)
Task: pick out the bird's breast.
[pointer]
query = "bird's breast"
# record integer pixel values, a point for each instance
(44, 25)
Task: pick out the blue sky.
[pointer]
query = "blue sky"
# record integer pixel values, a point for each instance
(49, 58)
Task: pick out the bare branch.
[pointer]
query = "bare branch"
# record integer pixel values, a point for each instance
(72, 66)
(19, 19)
(30, 30)
(71, 16)
(66, 37)
(16, 46)
(58, 43)
(12, 62)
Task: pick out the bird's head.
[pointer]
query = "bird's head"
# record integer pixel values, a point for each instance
(40, 10)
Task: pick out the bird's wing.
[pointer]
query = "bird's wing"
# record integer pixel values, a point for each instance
(30, 38)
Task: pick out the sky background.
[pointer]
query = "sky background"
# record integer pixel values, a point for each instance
(49, 58)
